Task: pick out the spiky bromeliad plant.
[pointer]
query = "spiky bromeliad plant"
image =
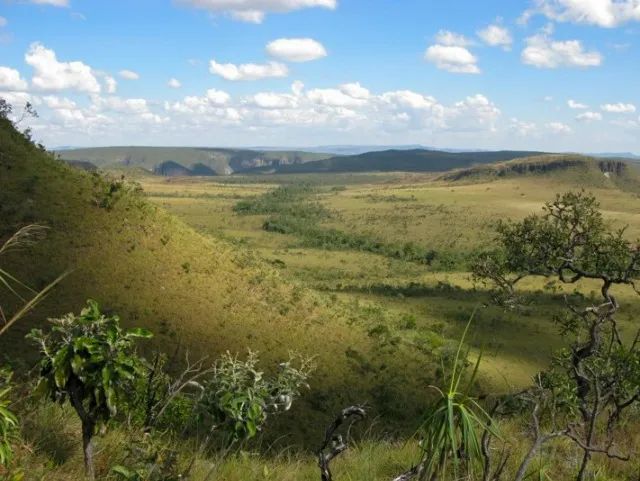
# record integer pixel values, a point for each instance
(452, 429)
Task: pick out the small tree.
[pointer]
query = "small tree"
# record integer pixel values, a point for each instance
(597, 377)
(90, 361)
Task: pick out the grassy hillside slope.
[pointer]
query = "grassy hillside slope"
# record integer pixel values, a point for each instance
(195, 292)
(221, 161)
(417, 160)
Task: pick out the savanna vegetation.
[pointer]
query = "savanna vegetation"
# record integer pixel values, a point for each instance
(291, 327)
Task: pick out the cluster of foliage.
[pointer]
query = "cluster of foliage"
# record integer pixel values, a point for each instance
(238, 397)
(291, 212)
(290, 200)
(90, 361)
(592, 382)
(107, 191)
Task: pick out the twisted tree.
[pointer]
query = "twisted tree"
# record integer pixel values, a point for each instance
(597, 378)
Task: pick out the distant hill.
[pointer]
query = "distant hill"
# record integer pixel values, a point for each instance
(416, 160)
(586, 170)
(83, 165)
(186, 160)
(618, 155)
(361, 149)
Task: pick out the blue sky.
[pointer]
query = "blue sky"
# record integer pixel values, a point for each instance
(540, 74)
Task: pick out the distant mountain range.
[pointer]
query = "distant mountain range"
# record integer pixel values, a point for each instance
(204, 161)
(617, 155)
(173, 161)
(416, 160)
(363, 149)
(348, 149)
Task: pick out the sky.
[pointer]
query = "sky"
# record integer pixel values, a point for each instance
(554, 75)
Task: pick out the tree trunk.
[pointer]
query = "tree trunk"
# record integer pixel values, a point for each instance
(87, 446)
(522, 470)
(583, 467)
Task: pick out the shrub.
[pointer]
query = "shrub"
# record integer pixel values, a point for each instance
(90, 361)
(238, 397)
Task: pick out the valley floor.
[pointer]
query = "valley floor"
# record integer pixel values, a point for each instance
(410, 299)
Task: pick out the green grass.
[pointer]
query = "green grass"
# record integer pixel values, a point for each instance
(454, 218)
(197, 292)
(181, 260)
(50, 450)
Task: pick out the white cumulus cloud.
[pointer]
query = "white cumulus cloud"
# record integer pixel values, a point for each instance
(452, 39)
(522, 128)
(10, 80)
(544, 52)
(452, 58)
(254, 11)
(334, 98)
(117, 104)
(53, 3)
(619, 108)
(57, 103)
(273, 100)
(589, 116)
(572, 104)
(111, 84)
(218, 97)
(213, 101)
(51, 74)
(296, 49)
(249, 16)
(174, 83)
(129, 74)
(603, 13)
(558, 128)
(3, 22)
(355, 90)
(496, 36)
(248, 71)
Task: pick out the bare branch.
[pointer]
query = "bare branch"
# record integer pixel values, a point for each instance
(334, 444)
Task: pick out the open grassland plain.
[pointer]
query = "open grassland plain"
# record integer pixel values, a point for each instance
(398, 245)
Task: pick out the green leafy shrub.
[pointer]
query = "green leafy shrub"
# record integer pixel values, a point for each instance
(90, 361)
(238, 397)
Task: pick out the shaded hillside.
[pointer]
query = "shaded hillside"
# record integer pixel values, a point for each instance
(193, 160)
(417, 160)
(194, 292)
(579, 168)
(169, 168)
